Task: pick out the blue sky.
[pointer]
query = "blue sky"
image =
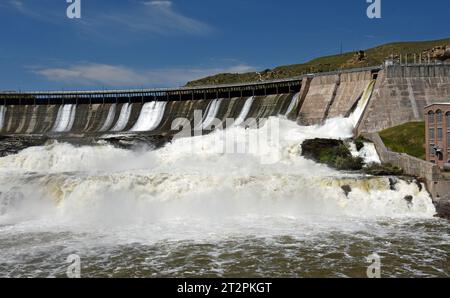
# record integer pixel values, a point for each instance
(139, 43)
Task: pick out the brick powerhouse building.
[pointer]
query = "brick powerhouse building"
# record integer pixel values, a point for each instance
(437, 128)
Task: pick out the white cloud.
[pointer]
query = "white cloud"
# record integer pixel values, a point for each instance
(17, 4)
(150, 17)
(156, 17)
(159, 3)
(117, 76)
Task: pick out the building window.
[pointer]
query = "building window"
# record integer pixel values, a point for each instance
(448, 156)
(448, 140)
(432, 151)
(431, 118)
(448, 119)
(431, 134)
(439, 117)
(439, 131)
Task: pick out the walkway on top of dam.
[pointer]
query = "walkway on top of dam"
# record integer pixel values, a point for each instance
(260, 88)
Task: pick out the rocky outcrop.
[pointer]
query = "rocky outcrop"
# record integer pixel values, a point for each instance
(333, 153)
(386, 169)
(440, 53)
(12, 145)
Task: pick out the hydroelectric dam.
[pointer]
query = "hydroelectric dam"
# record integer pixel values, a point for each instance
(190, 208)
(399, 95)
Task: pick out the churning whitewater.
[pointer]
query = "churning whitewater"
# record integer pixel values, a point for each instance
(150, 116)
(244, 112)
(211, 115)
(65, 118)
(292, 104)
(123, 118)
(201, 207)
(109, 119)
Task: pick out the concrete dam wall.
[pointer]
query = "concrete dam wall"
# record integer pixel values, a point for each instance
(402, 92)
(399, 95)
(330, 96)
(155, 118)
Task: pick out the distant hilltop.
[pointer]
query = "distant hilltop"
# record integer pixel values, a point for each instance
(436, 50)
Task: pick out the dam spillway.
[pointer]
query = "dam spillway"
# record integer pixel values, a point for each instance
(152, 118)
(152, 204)
(153, 111)
(400, 92)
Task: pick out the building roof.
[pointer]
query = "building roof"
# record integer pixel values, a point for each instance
(438, 103)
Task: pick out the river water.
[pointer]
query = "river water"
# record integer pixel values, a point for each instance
(193, 209)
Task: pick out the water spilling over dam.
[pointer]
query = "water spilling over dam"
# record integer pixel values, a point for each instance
(188, 208)
(154, 117)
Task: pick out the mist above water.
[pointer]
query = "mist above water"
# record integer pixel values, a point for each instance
(193, 179)
(102, 202)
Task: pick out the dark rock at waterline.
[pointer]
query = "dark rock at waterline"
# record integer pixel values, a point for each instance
(333, 153)
(347, 189)
(392, 183)
(419, 184)
(359, 143)
(10, 145)
(443, 207)
(385, 169)
(409, 200)
(138, 141)
(315, 148)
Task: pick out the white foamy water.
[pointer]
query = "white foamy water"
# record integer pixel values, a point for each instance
(244, 112)
(213, 109)
(2, 116)
(292, 104)
(368, 153)
(358, 112)
(109, 118)
(150, 117)
(193, 177)
(123, 117)
(191, 203)
(65, 118)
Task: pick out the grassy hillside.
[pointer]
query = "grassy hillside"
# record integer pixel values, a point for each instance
(371, 57)
(406, 138)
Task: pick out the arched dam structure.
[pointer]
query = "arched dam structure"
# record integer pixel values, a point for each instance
(399, 95)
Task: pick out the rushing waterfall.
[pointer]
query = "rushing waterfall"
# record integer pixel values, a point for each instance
(109, 119)
(192, 207)
(211, 115)
(65, 118)
(113, 206)
(150, 116)
(358, 112)
(123, 118)
(244, 112)
(292, 104)
(2, 116)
